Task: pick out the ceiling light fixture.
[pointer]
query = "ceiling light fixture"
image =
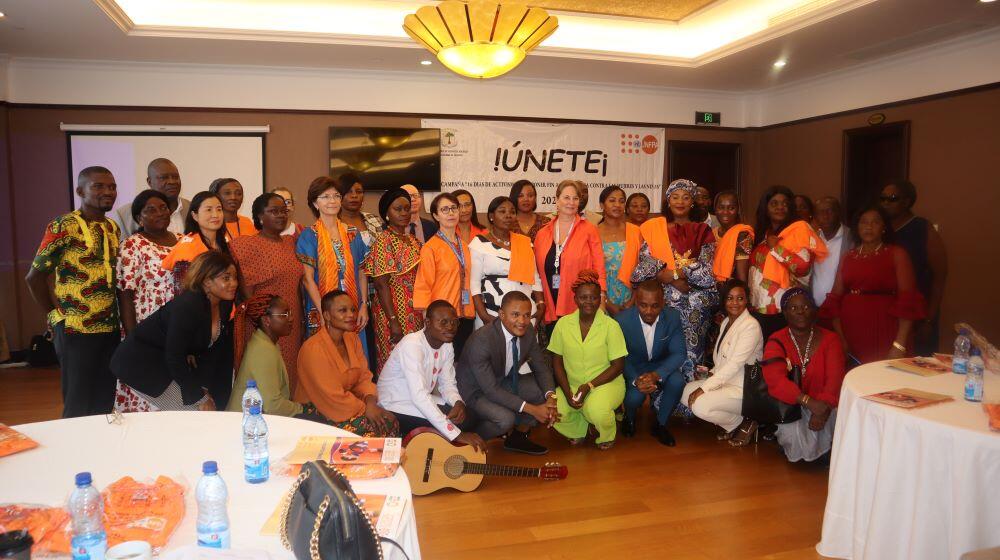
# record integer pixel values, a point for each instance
(425, 63)
(780, 64)
(479, 39)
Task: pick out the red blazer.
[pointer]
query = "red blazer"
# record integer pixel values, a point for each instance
(823, 377)
(583, 250)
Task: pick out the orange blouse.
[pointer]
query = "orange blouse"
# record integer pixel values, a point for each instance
(242, 226)
(439, 276)
(581, 251)
(337, 388)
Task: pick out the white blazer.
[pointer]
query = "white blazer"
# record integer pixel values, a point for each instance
(743, 344)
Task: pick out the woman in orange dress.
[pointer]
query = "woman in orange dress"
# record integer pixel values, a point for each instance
(204, 231)
(268, 264)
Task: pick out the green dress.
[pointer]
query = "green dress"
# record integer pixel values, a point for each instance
(584, 360)
(263, 363)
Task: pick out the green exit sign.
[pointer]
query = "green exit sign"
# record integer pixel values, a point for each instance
(707, 119)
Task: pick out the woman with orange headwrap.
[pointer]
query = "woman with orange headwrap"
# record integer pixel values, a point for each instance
(262, 362)
(589, 358)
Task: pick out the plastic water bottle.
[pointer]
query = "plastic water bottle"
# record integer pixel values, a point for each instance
(211, 495)
(86, 508)
(974, 379)
(256, 460)
(960, 360)
(251, 397)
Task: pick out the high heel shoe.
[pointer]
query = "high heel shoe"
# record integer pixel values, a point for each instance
(745, 434)
(723, 436)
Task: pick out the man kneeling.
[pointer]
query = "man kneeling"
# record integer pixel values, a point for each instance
(490, 377)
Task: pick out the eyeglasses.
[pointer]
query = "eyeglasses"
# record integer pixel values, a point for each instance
(890, 198)
(467, 205)
(447, 209)
(289, 202)
(329, 196)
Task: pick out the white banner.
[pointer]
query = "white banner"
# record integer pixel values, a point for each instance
(487, 157)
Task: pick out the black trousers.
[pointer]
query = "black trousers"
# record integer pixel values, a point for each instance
(465, 329)
(88, 387)
(409, 423)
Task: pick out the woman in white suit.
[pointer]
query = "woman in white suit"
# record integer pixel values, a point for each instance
(719, 398)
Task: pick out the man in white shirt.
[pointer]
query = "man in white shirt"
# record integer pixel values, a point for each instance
(506, 380)
(838, 242)
(418, 382)
(703, 200)
(161, 175)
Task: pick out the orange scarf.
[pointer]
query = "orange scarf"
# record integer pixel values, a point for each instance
(654, 233)
(794, 238)
(522, 259)
(633, 239)
(725, 251)
(326, 261)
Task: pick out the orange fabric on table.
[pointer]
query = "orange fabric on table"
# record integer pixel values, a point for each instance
(134, 511)
(337, 388)
(13, 441)
(242, 226)
(48, 526)
(439, 276)
(633, 241)
(522, 259)
(582, 250)
(794, 238)
(725, 251)
(654, 233)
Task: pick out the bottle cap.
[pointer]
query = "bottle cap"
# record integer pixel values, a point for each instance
(251, 383)
(83, 479)
(209, 467)
(975, 352)
(963, 332)
(255, 409)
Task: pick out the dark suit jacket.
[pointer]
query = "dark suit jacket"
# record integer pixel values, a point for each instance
(481, 369)
(430, 228)
(669, 351)
(156, 352)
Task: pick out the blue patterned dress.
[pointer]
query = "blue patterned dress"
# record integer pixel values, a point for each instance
(618, 291)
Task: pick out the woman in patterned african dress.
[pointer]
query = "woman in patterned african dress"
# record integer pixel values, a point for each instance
(392, 264)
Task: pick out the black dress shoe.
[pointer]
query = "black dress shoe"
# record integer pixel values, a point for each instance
(518, 442)
(628, 427)
(665, 437)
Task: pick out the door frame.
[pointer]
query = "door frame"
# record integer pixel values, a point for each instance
(870, 130)
(672, 146)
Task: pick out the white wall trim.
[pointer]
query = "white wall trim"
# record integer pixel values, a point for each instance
(163, 128)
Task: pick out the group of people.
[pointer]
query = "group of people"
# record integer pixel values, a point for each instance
(380, 324)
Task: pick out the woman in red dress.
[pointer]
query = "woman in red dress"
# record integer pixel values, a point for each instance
(874, 301)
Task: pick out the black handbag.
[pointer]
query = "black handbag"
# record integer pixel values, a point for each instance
(42, 353)
(323, 519)
(758, 404)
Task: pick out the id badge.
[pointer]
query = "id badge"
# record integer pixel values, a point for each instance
(555, 281)
(465, 297)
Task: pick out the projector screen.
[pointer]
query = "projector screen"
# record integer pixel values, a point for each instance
(200, 158)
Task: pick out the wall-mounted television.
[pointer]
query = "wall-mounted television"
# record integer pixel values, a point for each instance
(384, 158)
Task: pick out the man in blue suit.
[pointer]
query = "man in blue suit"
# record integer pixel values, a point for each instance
(656, 351)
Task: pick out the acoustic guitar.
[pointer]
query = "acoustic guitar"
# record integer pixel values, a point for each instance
(431, 462)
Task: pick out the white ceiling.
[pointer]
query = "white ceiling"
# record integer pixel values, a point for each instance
(80, 29)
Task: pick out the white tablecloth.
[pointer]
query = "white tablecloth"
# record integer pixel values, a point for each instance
(919, 484)
(175, 444)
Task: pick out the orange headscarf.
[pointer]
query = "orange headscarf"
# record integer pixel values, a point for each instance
(794, 238)
(522, 259)
(329, 268)
(725, 251)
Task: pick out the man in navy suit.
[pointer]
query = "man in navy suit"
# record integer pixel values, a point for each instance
(656, 351)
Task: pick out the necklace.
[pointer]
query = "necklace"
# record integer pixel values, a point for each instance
(804, 358)
(861, 251)
(500, 241)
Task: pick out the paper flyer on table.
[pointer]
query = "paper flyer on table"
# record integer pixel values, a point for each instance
(908, 398)
(925, 367)
(386, 512)
(346, 450)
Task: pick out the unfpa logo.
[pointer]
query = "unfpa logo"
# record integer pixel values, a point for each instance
(636, 144)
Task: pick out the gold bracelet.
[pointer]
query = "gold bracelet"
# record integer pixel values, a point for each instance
(898, 346)
(591, 385)
(805, 399)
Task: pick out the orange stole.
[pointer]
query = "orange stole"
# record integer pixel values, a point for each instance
(326, 261)
(522, 259)
(654, 233)
(800, 235)
(633, 240)
(725, 251)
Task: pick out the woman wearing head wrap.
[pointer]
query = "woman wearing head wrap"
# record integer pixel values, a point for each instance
(820, 355)
(589, 358)
(678, 249)
(392, 264)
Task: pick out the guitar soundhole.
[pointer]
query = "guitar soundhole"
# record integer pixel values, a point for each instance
(454, 466)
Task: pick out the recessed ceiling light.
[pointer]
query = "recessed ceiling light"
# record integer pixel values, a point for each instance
(780, 63)
(425, 63)
(986, 1)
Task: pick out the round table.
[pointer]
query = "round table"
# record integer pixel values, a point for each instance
(911, 484)
(175, 444)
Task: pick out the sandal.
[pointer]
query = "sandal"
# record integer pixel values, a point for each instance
(723, 436)
(744, 434)
(604, 446)
(576, 441)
